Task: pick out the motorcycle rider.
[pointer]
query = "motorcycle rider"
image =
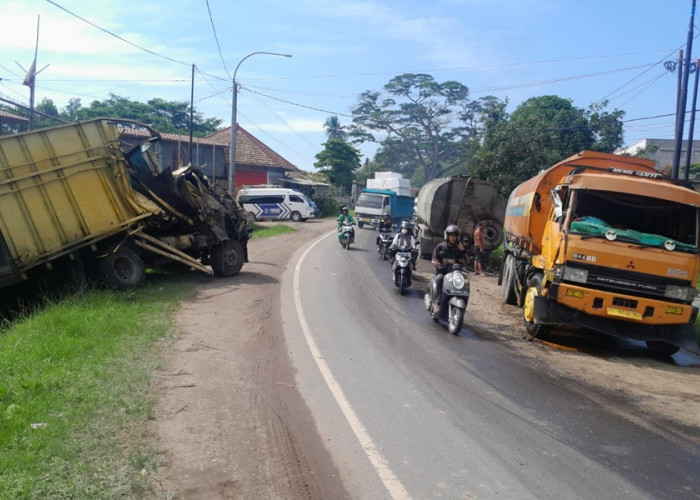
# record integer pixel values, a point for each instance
(450, 251)
(384, 225)
(405, 240)
(344, 217)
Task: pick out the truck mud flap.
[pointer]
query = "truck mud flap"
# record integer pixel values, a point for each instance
(151, 244)
(549, 312)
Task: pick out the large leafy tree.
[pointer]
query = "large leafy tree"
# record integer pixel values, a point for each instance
(338, 160)
(539, 133)
(424, 128)
(164, 116)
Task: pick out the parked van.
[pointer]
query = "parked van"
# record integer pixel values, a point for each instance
(274, 202)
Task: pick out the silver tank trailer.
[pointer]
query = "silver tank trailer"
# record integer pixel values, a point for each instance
(464, 201)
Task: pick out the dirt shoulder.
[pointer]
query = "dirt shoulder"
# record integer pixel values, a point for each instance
(234, 425)
(660, 389)
(229, 414)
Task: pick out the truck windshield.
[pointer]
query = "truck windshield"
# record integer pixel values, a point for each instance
(370, 200)
(634, 219)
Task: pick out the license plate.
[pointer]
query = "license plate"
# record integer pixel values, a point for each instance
(624, 313)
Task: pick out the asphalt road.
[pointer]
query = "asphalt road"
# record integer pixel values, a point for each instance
(408, 410)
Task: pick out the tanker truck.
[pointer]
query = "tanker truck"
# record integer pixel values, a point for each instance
(91, 198)
(461, 200)
(606, 243)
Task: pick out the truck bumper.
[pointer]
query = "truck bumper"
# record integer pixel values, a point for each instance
(549, 312)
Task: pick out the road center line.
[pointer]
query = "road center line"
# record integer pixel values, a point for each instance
(395, 488)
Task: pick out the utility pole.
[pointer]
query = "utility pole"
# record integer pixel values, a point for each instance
(680, 117)
(691, 125)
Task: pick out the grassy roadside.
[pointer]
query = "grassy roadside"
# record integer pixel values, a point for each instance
(76, 382)
(75, 389)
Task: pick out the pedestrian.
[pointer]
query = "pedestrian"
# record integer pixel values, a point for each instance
(481, 254)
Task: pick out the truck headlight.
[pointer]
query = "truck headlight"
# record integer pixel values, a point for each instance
(684, 293)
(575, 274)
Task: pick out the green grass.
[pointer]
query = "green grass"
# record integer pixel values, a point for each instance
(267, 231)
(75, 393)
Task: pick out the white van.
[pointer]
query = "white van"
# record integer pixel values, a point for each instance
(276, 203)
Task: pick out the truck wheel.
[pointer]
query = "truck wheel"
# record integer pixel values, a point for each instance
(296, 216)
(534, 289)
(227, 258)
(360, 224)
(508, 281)
(123, 269)
(70, 274)
(662, 348)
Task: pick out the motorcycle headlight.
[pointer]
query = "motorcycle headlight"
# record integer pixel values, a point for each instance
(575, 274)
(684, 293)
(458, 280)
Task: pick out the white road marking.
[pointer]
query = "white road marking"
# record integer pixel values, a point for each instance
(395, 488)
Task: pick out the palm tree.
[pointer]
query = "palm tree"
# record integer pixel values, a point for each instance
(334, 130)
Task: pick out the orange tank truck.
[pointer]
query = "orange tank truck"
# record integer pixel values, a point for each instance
(607, 243)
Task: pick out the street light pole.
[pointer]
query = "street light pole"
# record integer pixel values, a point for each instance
(232, 149)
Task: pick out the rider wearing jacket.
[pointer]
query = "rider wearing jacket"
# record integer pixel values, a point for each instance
(344, 217)
(404, 240)
(450, 251)
(384, 225)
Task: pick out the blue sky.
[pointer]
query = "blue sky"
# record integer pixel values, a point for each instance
(585, 51)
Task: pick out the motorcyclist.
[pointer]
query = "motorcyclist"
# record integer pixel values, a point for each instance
(384, 225)
(450, 251)
(344, 217)
(404, 240)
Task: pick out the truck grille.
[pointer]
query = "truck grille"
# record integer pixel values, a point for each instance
(626, 282)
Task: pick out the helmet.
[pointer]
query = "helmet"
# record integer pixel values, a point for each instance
(451, 229)
(343, 208)
(386, 217)
(405, 224)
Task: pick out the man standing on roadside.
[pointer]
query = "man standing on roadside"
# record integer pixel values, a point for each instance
(481, 255)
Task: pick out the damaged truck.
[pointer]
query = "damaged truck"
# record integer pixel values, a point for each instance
(87, 199)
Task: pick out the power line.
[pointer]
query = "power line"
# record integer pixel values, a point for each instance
(117, 36)
(211, 19)
(297, 104)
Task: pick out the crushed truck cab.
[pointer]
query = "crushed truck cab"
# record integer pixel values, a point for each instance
(607, 243)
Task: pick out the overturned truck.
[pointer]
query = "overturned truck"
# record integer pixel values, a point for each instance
(86, 199)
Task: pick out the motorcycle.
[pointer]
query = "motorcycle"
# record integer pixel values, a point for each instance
(401, 268)
(347, 235)
(453, 299)
(384, 242)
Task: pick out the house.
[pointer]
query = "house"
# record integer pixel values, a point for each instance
(663, 154)
(11, 123)
(256, 163)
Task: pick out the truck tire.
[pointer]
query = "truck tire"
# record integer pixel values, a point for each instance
(508, 281)
(360, 224)
(534, 289)
(227, 258)
(662, 348)
(123, 269)
(69, 274)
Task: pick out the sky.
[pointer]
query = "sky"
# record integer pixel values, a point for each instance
(586, 51)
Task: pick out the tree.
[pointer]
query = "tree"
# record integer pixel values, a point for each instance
(423, 127)
(541, 132)
(46, 114)
(334, 130)
(164, 116)
(338, 160)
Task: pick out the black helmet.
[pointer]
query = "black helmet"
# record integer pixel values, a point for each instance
(451, 229)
